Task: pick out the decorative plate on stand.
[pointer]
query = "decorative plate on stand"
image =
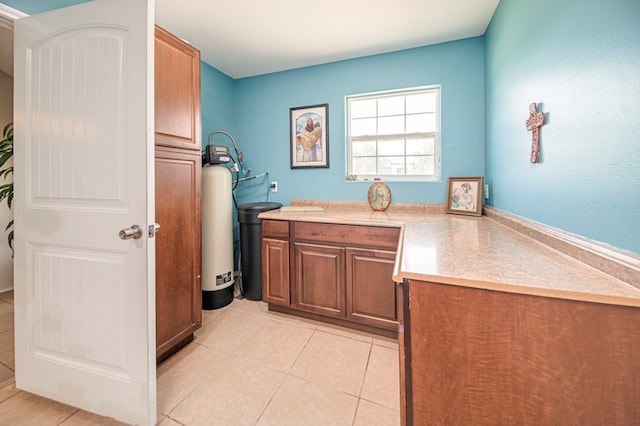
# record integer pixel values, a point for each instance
(379, 196)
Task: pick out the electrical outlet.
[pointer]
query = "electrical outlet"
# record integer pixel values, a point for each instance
(486, 191)
(274, 186)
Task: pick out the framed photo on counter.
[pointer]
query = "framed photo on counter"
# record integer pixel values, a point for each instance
(464, 195)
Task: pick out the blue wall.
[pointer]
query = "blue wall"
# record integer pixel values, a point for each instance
(263, 104)
(217, 104)
(580, 60)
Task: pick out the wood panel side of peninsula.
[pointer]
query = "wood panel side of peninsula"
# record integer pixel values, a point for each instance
(473, 356)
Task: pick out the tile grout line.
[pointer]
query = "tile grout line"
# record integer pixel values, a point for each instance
(364, 375)
(366, 368)
(266, 407)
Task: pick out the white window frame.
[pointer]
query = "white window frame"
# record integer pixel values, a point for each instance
(351, 176)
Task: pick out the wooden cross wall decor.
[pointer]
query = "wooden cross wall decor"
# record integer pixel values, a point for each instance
(536, 119)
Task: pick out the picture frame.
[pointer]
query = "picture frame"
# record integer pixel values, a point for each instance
(309, 142)
(464, 195)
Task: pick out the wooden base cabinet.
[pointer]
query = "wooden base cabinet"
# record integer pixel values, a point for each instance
(371, 293)
(483, 357)
(275, 262)
(319, 279)
(178, 172)
(336, 273)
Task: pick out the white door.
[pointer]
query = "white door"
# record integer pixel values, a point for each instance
(85, 298)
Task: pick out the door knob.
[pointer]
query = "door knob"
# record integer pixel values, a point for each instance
(134, 232)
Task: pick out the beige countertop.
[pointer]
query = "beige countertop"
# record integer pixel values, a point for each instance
(477, 252)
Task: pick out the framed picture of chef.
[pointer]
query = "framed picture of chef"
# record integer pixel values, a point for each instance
(309, 136)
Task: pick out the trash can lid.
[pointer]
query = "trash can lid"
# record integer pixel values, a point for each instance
(259, 207)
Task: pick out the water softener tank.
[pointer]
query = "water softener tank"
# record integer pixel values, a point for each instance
(217, 237)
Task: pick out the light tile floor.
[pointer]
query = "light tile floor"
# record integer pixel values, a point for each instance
(246, 366)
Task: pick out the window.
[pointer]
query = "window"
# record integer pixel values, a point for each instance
(394, 135)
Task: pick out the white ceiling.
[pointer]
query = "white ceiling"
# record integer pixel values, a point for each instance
(244, 38)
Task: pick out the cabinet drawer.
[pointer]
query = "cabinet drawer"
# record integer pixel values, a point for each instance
(275, 229)
(353, 235)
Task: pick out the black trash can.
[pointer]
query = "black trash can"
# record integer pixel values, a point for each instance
(251, 246)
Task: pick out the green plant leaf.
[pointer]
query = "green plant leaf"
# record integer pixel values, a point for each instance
(8, 130)
(6, 172)
(10, 241)
(6, 190)
(10, 235)
(4, 157)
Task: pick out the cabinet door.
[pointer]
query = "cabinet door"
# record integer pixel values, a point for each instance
(319, 279)
(178, 263)
(177, 80)
(275, 271)
(371, 293)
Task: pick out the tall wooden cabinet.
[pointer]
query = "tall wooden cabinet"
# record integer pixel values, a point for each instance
(178, 171)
